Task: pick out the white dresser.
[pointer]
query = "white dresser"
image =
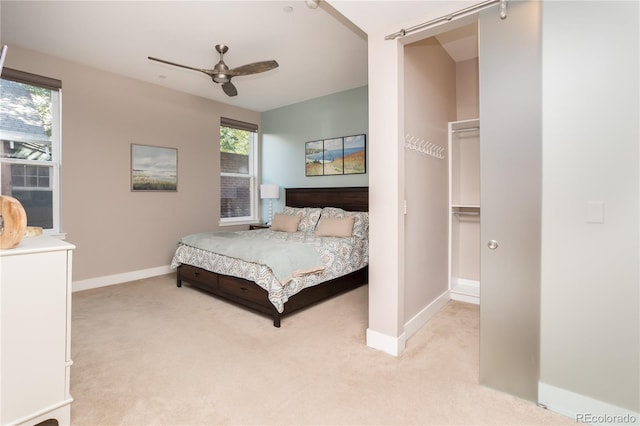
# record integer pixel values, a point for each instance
(35, 344)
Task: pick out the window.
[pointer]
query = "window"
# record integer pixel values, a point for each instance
(238, 166)
(30, 145)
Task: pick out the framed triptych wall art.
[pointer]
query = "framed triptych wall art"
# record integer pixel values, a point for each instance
(338, 156)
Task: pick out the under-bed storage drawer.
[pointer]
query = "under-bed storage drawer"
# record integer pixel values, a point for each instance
(197, 276)
(247, 290)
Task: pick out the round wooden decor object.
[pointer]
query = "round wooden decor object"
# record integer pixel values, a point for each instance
(14, 220)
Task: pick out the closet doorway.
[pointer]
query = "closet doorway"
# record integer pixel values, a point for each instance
(509, 113)
(442, 168)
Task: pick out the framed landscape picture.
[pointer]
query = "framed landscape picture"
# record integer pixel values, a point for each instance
(313, 153)
(337, 156)
(154, 168)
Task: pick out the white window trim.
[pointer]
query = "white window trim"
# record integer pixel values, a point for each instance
(56, 146)
(252, 175)
(55, 164)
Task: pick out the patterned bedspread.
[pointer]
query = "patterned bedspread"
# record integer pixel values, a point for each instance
(340, 256)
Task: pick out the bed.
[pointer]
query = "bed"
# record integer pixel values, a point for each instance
(258, 287)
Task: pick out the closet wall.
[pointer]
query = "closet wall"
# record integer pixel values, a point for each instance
(437, 91)
(467, 93)
(430, 103)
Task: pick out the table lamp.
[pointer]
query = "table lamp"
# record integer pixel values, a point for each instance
(269, 191)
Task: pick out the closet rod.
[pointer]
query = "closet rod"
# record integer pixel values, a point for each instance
(469, 129)
(467, 213)
(468, 10)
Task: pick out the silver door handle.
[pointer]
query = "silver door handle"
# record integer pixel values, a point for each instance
(492, 244)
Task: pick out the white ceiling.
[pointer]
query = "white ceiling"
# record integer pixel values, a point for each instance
(319, 51)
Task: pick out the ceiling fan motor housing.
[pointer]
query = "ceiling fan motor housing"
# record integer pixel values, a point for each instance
(220, 69)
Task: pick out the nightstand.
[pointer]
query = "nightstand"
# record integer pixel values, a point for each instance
(258, 226)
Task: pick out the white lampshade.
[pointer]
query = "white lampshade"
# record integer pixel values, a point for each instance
(269, 190)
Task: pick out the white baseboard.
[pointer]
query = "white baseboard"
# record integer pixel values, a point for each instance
(383, 342)
(120, 278)
(465, 290)
(464, 298)
(418, 321)
(584, 409)
(396, 345)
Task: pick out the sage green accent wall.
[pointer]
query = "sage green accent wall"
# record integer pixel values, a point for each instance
(285, 131)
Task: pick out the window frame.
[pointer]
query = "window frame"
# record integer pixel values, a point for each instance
(251, 175)
(55, 86)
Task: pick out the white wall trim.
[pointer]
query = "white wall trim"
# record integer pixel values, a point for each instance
(465, 290)
(419, 320)
(460, 297)
(120, 278)
(389, 344)
(396, 345)
(584, 409)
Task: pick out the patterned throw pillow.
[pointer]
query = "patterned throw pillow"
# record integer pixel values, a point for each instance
(361, 220)
(309, 217)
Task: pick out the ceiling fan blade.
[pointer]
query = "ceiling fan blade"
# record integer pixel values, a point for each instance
(208, 72)
(253, 68)
(229, 88)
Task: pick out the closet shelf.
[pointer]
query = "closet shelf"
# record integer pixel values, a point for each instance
(466, 206)
(465, 209)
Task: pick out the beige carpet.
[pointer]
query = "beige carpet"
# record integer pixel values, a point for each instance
(149, 353)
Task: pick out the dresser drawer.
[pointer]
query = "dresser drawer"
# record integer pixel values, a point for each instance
(247, 290)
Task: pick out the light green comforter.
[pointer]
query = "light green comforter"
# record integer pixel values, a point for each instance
(285, 258)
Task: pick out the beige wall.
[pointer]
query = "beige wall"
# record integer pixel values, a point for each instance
(590, 282)
(115, 230)
(467, 94)
(430, 103)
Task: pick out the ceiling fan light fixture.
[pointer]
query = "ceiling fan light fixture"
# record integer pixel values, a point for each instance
(220, 78)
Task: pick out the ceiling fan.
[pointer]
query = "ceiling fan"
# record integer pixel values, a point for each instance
(222, 74)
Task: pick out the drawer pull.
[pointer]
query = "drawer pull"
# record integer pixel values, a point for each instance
(197, 274)
(243, 289)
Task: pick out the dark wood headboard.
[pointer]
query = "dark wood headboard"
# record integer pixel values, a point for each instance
(350, 198)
